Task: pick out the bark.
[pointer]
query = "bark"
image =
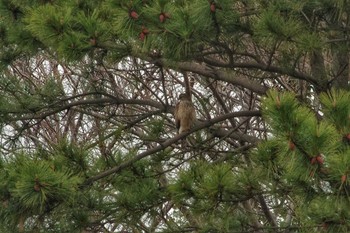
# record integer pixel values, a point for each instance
(318, 70)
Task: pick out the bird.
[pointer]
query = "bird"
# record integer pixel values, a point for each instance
(185, 114)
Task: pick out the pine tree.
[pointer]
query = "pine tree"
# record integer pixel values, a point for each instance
(88, 141)
(306, 160)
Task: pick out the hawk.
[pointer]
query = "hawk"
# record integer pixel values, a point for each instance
(185, 114)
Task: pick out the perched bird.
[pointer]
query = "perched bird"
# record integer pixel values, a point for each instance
(185, 114)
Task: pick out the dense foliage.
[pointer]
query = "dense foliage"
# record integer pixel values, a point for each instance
(87, 135)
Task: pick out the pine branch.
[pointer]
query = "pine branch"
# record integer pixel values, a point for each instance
(215, 74)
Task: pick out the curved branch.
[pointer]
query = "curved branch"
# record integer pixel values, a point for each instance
(222, 75)
(264, 67)
(212, 73)
(230, 77)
